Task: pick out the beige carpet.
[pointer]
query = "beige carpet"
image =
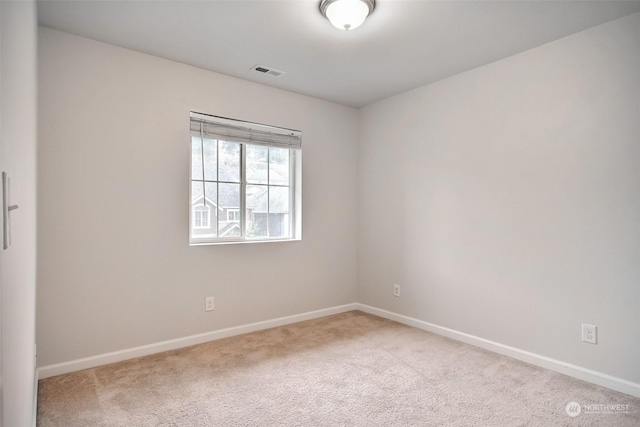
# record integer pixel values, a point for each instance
(351, 369)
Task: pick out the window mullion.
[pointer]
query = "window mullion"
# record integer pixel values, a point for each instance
(217, 206)
(243, 191)
(268, 190)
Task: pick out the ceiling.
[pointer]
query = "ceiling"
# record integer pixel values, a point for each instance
(404, 44)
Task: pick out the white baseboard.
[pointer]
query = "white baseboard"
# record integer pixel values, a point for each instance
(569, 369)
(578, 372)
(145, 350)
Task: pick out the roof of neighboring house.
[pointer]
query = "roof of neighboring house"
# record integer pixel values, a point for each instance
(257, 200)
(198, 200)
(227, 229)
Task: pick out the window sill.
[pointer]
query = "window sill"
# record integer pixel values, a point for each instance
(235, 242)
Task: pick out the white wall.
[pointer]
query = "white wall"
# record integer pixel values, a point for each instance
(115, 268)
(18, 159)
(506, 200)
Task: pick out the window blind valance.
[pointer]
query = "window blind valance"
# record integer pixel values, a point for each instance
(239, 131)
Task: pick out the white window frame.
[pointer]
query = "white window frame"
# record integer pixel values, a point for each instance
(295, 192)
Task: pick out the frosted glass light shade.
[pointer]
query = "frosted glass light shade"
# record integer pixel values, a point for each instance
(346, 14)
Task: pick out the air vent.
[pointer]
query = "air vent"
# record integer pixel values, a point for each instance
(268, 71)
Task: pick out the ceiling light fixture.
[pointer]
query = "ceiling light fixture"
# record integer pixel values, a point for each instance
(346, 14)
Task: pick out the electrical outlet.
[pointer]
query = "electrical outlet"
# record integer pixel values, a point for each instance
(589, 333)
(396, 290)
(208, 304)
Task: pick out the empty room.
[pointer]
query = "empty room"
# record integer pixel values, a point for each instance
(320, 213)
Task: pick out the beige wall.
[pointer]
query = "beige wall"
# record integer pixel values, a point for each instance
(18, 262)
(515, 189)
(115, 268)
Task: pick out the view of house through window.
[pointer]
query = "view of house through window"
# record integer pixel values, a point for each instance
(239, 190)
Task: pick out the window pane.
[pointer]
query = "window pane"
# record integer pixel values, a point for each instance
(197, 189)
(257, 197)
(229, 198)
(211, 192)
(279, 211)
(210, 160)
(229, 164)
(199, 207)
(257, 164)
(196, 158)
(278, 166)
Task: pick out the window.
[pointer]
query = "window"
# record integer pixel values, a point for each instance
(201, 217)
(249, 175)
(233, 215)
